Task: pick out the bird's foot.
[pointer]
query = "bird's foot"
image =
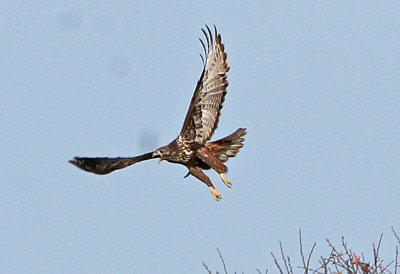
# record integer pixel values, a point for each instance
(225, 180)
(215, 193)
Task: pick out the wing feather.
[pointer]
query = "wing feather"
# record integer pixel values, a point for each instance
(205, 108)
(103, 165)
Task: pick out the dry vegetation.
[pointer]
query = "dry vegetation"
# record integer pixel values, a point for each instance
(341, 260)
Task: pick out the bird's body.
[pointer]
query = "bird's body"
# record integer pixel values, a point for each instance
(191, 148)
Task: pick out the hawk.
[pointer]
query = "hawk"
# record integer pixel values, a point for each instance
(192, 147)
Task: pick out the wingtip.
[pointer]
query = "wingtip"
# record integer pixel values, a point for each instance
(241, 132)
(218, 40)
(76, 161)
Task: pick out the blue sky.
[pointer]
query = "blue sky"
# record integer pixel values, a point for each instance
(315, 83)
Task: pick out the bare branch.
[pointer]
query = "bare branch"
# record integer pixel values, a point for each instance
(396, 260)
(259, 271)
(376, 252)
(341, 260)
(397, 236)
(223, 262)
(301, 252)
(206, 267)
(285, 260)
(276, 263)
(306, 265)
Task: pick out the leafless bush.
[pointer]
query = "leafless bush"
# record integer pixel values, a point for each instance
(339, 261)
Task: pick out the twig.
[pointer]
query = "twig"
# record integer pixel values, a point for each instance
(301, 252)
(276, 263)
(286, 261)
(349, 263)
(305, 265)
(290, 265)
(324, 263)
(396, 260)
(223, 262)
(395, 234)
(206, 267)
(259, 271)
(376, 252)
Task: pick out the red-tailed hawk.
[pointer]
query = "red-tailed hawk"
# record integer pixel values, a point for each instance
(191, 148)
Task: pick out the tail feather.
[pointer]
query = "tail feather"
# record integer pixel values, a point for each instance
(229, 146)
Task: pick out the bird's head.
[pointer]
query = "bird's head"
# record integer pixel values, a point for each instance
(160, 153)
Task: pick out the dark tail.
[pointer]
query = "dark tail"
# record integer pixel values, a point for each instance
(103, 166)
(229, 146)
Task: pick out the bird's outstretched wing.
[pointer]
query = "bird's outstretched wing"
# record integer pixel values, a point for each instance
(206, 104)
(103, 166)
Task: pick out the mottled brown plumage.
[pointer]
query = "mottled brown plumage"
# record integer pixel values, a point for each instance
(191, 148)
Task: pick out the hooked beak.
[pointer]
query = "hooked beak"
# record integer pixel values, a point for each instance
(157, 155)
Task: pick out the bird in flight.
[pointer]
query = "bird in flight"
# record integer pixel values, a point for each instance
(192, 147)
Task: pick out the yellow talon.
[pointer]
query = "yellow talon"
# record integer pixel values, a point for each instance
(215, 193)
(225, 180)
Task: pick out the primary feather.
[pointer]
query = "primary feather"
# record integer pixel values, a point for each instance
(205, 108)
